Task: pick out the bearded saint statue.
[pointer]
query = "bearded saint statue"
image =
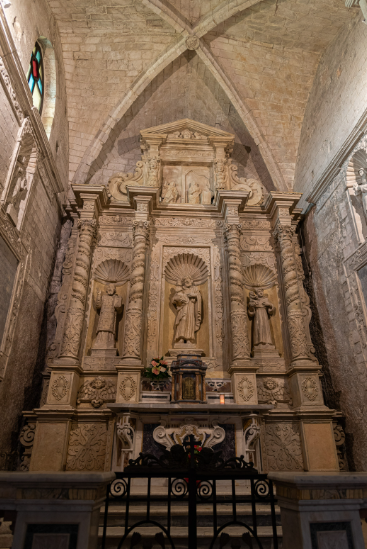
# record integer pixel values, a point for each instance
(188, 303)
(260, 309)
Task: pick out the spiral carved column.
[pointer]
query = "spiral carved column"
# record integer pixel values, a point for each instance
(300, 346)
(240, 340)
(133, 326)
(75, 316)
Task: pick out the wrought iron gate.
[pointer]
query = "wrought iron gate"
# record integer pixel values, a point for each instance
(192, 474)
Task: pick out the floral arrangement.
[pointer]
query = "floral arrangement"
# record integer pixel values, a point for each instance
(157, 369)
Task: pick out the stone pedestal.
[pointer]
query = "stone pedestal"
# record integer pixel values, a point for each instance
(319, 450)
(321, 510)
(54, 509)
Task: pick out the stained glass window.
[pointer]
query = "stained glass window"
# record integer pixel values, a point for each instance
(35, 77)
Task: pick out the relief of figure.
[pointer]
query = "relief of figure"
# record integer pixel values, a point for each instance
(361, 189)
(19, 193)
(109, 304)
(188, 303)
(206, 195)
(260, 309)
(170, 194)
(194, 193)
(153, 173)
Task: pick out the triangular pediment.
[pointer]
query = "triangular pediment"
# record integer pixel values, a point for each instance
(186, 125)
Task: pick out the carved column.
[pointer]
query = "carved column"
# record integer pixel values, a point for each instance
(315, 419)
(133, 325)
(240, 341)
(75, 316)
(242, 370)
(300, 343)
(131, 367)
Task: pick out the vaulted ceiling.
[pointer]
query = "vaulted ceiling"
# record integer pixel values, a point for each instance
(256, 61)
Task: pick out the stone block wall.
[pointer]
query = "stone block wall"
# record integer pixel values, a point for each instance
(336, 107)
(330, 241)
(34, 239)
(28, 22)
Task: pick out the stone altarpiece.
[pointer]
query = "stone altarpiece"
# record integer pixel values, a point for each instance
(183, 256)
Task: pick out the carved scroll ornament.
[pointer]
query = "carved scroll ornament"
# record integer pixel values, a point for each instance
(204, 436)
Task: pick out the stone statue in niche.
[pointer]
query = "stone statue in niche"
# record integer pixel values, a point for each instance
(260, 309)
(194, 193)
(109, 304)
(360, 189)
(19, 193)
(188, 303)
(170, 194)
(206, 195)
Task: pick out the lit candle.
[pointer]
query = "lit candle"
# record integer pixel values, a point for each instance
(222, 399)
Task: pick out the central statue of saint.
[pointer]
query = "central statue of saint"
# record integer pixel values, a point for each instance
(188, 303)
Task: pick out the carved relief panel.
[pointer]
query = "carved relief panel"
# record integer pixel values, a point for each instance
(21, 174)
(283, 447)
(188, 161)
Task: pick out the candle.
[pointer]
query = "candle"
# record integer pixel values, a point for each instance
(222, 399)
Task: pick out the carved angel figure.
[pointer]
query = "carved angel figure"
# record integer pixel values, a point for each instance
(109, 304)
(170, 193)
(194, 193)
(188, 303)
(260, 309)
(361, 189)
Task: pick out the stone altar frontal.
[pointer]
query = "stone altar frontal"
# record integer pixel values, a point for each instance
(182, 256)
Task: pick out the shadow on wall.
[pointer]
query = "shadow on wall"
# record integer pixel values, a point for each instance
(317, 301)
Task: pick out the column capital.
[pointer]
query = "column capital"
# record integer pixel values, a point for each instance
(143, 200)
(282, 207)
(230, 204)
(92, 199)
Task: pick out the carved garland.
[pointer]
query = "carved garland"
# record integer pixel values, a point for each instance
(128, 388)
(60, 387)
(310, 388)
(245, 389)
